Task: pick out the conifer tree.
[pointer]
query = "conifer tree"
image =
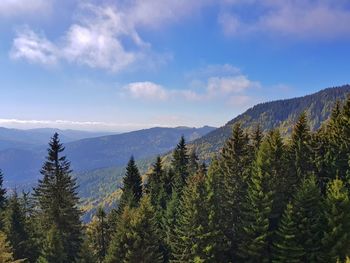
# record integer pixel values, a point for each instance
(155, 185)
(235, 164)
(308, 217)
(57, 202)
(286, 248)
(194, 241)
(257, 137)
(2, 193)
(214, 188)
(193, 164)
(16, 228)
(254, 236)
(98, 232)
(300, 152)
(336, 240)
(136, 239)
(86, 252)
(180, 163)
(2, 199)
(53, 248)
(6, 255)
(132, 186)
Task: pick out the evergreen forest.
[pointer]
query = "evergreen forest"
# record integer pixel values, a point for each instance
(264, 197)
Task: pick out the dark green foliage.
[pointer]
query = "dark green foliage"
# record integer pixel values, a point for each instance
(308, 217)
(180, 164)
(57, 203)
(2, 192)
(17, 229)
(194, 240)
(98, 234)
(53, 249)
(300, 152)
(132, 186)
(336, 240)
(136, 238)
(235, 164)
(286, 247)
(257, 210)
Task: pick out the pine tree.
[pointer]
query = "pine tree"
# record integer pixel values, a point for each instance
(194, 241)
(53, 248)
(286, 248)
(336, 240)
(235, 164)
(2, 199)
(308, 217)
(2, 193)
(132, 186)
(98, 232)
(16, 229)
(180, 163)
(257, 210)
(214, 187)
(136, 239)
(6, 255)
(193, 164)
(300, 152)
(86, 254)
(57, 201)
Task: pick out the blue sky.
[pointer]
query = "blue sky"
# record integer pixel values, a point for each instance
(123, 65)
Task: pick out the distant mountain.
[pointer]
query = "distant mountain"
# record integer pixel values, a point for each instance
(32, 138)
(22, 164)
(115, 150)
(280, 114)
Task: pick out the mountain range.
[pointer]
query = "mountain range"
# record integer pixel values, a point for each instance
(98, 161)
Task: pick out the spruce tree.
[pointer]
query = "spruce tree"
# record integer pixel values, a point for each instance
(2, 199)
(336, 240)
(194, 241)
(98, 234)
(16, 229)
(180, 165)
(308, 217)
(2, 193)
(6, 255)
(155, 185)
(193, 164)
(57, 201)
(257, 210)
(300, 152)
(214, 190)
(235, 161)
(136, 239)
(132, 186)
(286, 247)
(53, 249)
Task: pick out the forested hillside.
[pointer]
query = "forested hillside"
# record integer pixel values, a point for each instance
(282, 114)
(263, 199)
(269, 115)
(21, 161)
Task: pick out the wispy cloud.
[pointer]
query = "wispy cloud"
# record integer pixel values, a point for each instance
(226, 85)
(84, 125)
(306, 19)
(34, 48)
(10, 8)
(106, 36)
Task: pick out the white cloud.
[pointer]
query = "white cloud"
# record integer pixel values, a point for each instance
(216, 88)
(9, 8)
(227, 85)
(106, 36)
(83, 125)
(294, 18)
(34, 48)
(146, 90)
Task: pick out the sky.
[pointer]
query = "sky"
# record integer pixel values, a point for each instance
(120, 65)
